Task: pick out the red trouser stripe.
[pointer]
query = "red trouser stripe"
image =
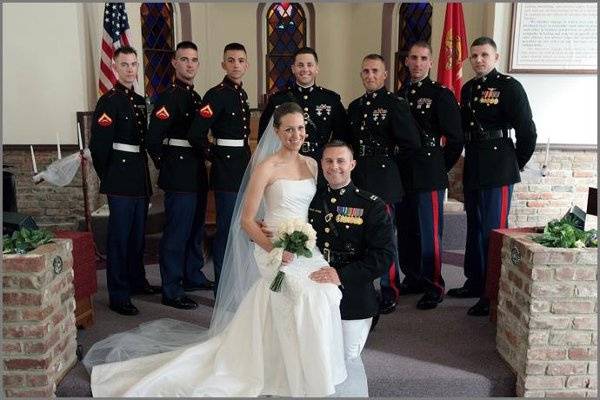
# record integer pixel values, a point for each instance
(504, 207)
(392, 269)
(437, 264)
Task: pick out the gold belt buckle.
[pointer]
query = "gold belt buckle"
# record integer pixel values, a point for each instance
(327, 254)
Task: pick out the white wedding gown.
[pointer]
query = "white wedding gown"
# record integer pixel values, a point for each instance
(286, 343)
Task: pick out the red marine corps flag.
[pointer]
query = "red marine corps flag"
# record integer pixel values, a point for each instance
(453, 50)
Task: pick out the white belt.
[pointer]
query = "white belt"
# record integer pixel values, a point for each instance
(177, 142)
(231, 142)
(131, 148)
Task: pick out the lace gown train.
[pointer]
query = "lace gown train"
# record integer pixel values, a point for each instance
(286, 343)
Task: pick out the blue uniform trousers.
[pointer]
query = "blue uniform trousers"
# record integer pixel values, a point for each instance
(420, 225)
(486, 209)
(224, 205)
(125, 247)
(390, 281)
(181, 250)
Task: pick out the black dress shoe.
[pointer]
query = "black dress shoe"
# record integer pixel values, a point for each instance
(462, 293)
(481, 309)
(207, 285)
(148, 289)
(406, 289)
(183, 303)
(429, 301)
(374, 323)
(124, 308)
(387, 305)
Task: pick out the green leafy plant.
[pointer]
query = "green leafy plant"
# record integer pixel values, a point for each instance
(25, 240)
(564, 233)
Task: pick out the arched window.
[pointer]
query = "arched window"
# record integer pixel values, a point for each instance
(414, 25)
(286, 33)
(158, 44)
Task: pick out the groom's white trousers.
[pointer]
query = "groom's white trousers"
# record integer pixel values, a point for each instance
(355, 333)
(355, 336)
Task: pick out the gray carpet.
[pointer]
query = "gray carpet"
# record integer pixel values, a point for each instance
(411, 353)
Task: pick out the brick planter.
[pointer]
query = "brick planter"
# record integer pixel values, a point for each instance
(39, 334)
(547, 323)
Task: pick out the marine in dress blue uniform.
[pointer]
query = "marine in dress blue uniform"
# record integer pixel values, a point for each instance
(382, 131)
(421, 211)
(491, 104)
(355, 235)
(184, 179)
(225, 111)
(324, 114)
(118, 151)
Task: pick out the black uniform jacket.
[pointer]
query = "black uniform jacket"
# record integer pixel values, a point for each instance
(355, 235)
(380, 127)
(324, 115)
(225, 112)
(491, 103)
(437, 114)
(182, 169)
(120, 117)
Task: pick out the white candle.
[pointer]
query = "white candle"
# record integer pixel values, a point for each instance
(547, 151)
(79, 136)
(58, 145)
(35, 171)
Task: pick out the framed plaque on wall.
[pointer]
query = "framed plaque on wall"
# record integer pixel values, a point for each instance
(555, 38)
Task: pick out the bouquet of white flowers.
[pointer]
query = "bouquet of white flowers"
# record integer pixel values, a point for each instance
(295, 236)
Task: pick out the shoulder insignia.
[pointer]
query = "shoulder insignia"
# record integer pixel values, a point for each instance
(105, 120)
(366, 195)
(162, 114)
(206, 111)
(508, 77)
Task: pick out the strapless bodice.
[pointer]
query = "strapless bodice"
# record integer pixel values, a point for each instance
(288, 198)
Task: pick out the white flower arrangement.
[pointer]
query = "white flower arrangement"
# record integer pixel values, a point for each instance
(293, 235)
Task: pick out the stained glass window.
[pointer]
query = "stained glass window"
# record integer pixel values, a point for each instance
(286, 33)
(415, 25)
(158, 43)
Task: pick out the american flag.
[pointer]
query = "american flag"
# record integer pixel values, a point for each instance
(116, 34)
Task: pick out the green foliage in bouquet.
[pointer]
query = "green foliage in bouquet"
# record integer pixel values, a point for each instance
(294, 243)
(564, 233)
(25, 240)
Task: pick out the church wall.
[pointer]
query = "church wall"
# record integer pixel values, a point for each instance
(564, 106)
(42, 73)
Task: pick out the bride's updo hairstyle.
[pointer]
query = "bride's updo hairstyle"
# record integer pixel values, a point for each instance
(285, 109)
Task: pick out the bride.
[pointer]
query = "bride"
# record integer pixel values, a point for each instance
(260, 342)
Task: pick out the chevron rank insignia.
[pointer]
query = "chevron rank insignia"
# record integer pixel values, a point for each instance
(105, 120)
(162, 114)
(206, 111)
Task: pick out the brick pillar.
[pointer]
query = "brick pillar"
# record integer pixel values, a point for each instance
(547, 318)
(39, 333)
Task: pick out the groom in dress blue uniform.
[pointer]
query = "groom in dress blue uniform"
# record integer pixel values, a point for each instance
(355, 235)
(491, 104)
(184, 180)
(226, 113)
(119, 156)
